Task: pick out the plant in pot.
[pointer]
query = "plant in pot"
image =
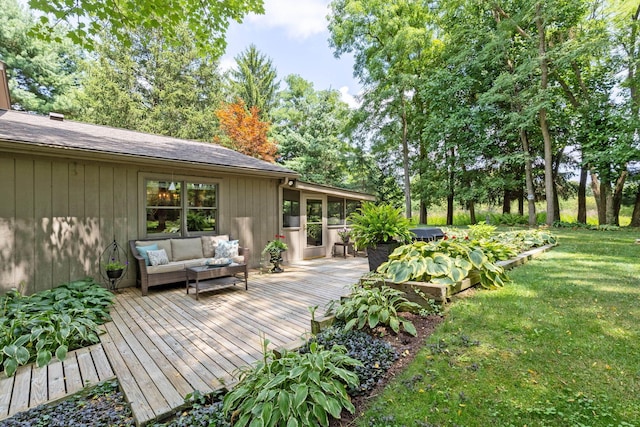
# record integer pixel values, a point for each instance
(379, 229)
(114, 269)
(274, 249)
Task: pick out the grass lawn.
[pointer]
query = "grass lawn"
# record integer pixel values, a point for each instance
(559, 346)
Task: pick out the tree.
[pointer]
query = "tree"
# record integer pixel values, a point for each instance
(310, 127)
(243, 131)
(207, 21)
(167, 91)
(254, 81)
(43, 77)
(390, 42)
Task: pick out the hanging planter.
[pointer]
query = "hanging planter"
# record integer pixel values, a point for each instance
(113, 265)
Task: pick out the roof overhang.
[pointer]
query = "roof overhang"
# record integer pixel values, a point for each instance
(88, 155)
(331, 191)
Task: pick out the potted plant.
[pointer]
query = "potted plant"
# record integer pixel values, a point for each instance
(275, 248)
(344, 234)
(379, 229)
(114, 269)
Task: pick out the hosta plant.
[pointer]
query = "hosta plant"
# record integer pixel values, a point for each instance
(443, 262)
(295, 389)
(372, 306)
(37, 327)
(376, 355)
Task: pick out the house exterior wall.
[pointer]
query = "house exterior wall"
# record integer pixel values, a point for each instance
(57, 215)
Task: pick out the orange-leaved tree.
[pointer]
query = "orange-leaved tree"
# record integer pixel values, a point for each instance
(243, 131)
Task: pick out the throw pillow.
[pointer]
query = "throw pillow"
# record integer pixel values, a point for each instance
(227, 249)
(158, 257)
(142, 250)
(209, 244)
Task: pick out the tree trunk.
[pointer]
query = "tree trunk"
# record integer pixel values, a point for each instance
(595, 186)
(604, 191)
(520, 202)
(506, 202)
(611, 218)
(617, 196)
(635, 216)
(423, 212)
(472, 212)
(582, 196)
(405, 159)
(544, 126)
(531, 198)
(556, 202)
(450, 193)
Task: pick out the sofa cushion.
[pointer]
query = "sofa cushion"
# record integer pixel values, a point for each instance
(185, 249)
(142, 250)
(166, 268)
(158, 257)
(209, 244)
(162, 244)
(227, 249)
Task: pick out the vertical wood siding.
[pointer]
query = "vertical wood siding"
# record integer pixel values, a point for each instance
(57, 216)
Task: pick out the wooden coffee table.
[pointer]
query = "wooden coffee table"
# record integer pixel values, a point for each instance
(213, 278)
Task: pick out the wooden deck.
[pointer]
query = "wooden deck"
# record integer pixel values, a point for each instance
(166, 345)
(32, 386)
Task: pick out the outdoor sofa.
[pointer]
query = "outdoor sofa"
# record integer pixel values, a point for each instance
(182, 253)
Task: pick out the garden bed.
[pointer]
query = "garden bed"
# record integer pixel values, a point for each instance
(417, 291)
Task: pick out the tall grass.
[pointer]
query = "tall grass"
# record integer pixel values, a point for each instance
(568, 212)
(559, 346)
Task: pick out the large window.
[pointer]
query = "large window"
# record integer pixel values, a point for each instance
(335, 211)
(181, 207)
(339, 209)
(290, 208)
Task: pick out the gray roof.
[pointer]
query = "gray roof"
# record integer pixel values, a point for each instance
(42, 131)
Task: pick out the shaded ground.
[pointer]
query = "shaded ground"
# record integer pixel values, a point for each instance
(407, 347)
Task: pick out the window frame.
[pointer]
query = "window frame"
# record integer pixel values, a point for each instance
(183, 208)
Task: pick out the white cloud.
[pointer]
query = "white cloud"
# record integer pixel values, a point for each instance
(299, 18)
(226, 63)
(351, 100)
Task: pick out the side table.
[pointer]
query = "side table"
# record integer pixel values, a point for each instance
(345, 248)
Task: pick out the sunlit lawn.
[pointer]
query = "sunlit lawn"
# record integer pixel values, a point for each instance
(560, 346)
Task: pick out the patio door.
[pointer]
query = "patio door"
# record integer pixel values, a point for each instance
(314, 226)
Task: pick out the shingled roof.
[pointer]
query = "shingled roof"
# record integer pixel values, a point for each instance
(23, 128)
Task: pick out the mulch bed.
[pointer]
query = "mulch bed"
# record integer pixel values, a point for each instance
(407, 347)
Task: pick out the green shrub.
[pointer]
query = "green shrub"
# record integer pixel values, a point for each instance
(53, 322)
(508, 219)
(374, 224)
(481, 231)
(372, 306)
(295, 389)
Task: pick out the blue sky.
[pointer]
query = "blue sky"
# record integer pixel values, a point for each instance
(293, 33)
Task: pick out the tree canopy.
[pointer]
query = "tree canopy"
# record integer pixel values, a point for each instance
(207, 21)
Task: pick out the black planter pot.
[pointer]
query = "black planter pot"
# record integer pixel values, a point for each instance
(114, 274)
(380, 254)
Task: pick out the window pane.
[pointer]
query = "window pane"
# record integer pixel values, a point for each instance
(163, 193)
(335, 209)
(201, 220)
(161, 220)
(290, 208)
(201, 195)
(352, 206)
